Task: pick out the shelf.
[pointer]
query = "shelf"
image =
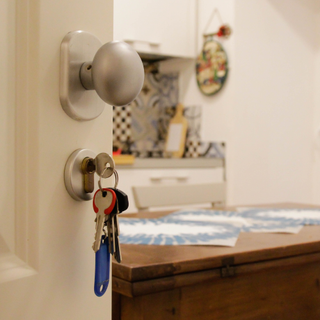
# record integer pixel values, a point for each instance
(173, 163)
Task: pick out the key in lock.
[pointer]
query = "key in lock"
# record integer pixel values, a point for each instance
(102, 164)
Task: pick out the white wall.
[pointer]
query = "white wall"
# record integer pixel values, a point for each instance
(215, 108)
(265, 112)
(271, 158)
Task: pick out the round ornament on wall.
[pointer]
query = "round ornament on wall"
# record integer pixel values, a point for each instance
(211, 67)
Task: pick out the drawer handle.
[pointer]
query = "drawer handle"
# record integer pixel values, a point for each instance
(152, 43)
(159, 178)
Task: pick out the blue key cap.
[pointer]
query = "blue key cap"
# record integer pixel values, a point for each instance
(102, 274)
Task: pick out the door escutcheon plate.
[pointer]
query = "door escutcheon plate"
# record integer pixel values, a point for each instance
(74, 177)
(80, 104)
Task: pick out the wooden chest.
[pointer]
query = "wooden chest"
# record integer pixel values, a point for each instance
(265, 276)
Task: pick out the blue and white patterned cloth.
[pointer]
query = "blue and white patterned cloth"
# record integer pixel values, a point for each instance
(249, 221)
(278, 220)
(212, 227)
(203, 215)
(166, 231)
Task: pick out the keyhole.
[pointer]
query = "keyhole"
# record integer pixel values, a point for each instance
(89, 66)
(88, 168)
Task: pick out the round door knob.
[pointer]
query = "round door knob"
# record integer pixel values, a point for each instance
(92, 74)
(116, 73)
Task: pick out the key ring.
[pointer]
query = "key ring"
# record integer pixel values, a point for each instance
(116, 176)
(99, 181)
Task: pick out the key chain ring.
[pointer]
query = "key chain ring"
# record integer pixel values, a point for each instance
(99, 181)
(116, 178)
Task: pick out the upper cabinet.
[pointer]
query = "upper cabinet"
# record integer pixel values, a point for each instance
(157, 27)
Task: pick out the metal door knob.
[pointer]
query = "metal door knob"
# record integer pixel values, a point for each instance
(116, 73)
(90, 72)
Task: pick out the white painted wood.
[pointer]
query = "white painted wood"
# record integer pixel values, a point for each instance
(47, 247)
(144, 163)
(165, 27)
(173, 195)
(146, 178)
(316, 120)
(7, 114)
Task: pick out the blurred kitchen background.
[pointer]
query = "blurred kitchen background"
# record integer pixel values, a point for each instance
(260, 132)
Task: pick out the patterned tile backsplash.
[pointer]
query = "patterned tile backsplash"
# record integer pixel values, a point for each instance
(141, 128)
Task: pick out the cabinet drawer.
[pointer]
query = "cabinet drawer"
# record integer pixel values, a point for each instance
(151, 177)
(189, 176)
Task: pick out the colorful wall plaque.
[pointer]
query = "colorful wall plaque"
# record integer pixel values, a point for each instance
(211, 67)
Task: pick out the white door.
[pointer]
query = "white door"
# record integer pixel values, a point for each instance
(46, 260)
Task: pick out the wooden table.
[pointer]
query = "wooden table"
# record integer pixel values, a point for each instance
(265, 276)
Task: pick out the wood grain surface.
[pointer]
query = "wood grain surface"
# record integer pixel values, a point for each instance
(139, 288)
(290, 293)
(144, 262)
(269, 276)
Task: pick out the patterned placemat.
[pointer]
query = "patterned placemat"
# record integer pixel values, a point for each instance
(278, 220)
(214, 227)
(168, 231)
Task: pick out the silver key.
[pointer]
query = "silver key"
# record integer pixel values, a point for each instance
(116, 224)
(111, 239)
(117, 255)
(104, 165)
(102, 206)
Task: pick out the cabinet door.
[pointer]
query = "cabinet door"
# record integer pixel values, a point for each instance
(165, 27)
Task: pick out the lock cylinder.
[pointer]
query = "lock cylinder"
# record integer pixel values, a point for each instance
(88, 169)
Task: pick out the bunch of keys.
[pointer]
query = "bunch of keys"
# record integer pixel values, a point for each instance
(107, 204)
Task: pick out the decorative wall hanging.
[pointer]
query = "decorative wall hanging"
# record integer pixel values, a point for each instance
(212, 63)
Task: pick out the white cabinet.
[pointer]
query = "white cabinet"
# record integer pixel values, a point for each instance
(161, 27)
(177, 175)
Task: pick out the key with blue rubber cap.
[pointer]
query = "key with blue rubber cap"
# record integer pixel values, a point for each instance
(102, 270)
